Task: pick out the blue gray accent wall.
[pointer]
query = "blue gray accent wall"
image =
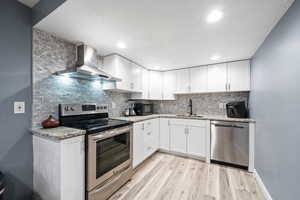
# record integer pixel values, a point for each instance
(15, 85)
(43, 8)
(275, 106)
(52, 54)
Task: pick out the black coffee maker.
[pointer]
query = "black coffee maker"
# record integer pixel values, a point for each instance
(237, 109)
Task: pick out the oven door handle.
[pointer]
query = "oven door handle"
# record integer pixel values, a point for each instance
(103, 136)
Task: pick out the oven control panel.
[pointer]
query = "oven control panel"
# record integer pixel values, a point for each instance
(82, 109)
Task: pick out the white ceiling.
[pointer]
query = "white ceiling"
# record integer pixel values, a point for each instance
(168, 33)
(29, 3)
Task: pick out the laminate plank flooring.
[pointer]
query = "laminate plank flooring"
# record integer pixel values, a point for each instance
(169, 177)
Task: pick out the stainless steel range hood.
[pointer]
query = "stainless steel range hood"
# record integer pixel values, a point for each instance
(87, 66)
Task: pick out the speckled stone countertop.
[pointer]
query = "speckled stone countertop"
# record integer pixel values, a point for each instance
(58, 133)
(203, 117)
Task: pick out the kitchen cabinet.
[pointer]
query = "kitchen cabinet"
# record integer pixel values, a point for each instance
(239, 76)
(189, 137)
(145, 140)
(196, 144)
(59, 168)
(164, 134)
(169, 85)
(144, 87)
(182, 81)
(155, 85)
(127, 71)
(217, 78)
(178, 142)
(199, 79)
(138, 144)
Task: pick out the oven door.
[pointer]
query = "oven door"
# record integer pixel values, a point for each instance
(109, 153)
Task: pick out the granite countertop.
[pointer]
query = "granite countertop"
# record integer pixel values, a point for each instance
(59, 133)
(203, 117)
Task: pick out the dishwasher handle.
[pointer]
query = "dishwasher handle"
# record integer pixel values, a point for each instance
(228, 126)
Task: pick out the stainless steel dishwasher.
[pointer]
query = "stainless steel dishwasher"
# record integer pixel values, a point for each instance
(230, 143)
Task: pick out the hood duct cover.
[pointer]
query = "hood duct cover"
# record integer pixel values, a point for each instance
(87, 66)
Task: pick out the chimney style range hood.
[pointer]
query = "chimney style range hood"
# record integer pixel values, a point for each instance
(87, 66)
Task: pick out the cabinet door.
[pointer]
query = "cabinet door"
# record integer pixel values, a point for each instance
(196, 141)
(164, 134)
(155, 85)
(72, 168)
(144, 87)
(138, 143)
(136, 81)
(217, 78)
(199, 79)
(183, 81)
(178, 138)
(239, 76)
(169, 85)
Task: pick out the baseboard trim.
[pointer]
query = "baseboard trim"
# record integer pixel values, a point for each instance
(262, 186)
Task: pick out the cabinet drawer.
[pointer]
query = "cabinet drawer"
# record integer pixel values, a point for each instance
(188, 122)
(148, 125)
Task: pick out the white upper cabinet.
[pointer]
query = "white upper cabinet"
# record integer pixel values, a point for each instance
(125, 70)
(144, 87)
(155, 85)
(217, 78)
(239, 76)
(169, 85)
(199, 79)
(183, 81)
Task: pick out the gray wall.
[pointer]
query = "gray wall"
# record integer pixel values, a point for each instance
(275, 104)
(15, 83)
(43, 8)
(52, 54)
(205, 104)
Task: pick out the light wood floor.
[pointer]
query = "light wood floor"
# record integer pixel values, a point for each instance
(168, 177)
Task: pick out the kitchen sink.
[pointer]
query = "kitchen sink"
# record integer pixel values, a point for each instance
(187, 115)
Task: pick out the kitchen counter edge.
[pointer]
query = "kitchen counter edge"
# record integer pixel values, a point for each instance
(154, 116)
(59, 133)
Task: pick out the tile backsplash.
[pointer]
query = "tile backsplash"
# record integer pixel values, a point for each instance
(52, 54)
(205, 104)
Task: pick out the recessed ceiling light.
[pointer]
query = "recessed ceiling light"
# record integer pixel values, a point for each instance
(214, 16)
(215, 57)
(121, 45)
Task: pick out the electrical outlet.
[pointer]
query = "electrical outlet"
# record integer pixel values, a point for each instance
(19, 107)
(113, 105)
(221, 106)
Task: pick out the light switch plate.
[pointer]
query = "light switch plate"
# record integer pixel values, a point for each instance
(19, 107)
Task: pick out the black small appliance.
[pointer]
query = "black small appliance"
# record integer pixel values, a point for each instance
(237, 109)
(2, 186)
(142, 109)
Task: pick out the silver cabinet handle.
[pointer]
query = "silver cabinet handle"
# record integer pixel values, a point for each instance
(229, 126)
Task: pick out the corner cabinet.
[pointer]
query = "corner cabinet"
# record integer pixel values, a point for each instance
(169, 85)
(127, 71)
(238, 76)
(145, 140)
(59, 168)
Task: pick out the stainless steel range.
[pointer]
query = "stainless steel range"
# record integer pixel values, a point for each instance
(108, 147)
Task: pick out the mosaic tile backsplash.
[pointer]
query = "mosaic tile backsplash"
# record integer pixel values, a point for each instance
(205, 104)
(51, 54)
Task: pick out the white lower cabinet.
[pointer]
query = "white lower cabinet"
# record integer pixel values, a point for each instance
(190, 137)
(183, 136)
(58, 168)
(164, 134)
(196, 141)
(145, 140)
(178, 138)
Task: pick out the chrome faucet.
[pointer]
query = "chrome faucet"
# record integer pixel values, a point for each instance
(190, 107)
